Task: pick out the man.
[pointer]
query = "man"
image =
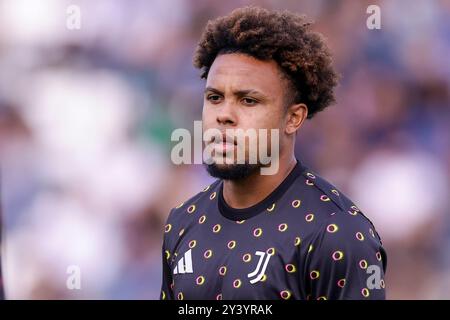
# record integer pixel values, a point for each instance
(288, 235)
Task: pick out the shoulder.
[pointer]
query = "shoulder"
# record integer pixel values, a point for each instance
(341, 225)
(182, 214)
(332, 205)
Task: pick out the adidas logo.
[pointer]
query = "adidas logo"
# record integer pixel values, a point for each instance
(184, 265)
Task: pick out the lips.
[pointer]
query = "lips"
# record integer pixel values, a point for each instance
(223, 148)
(224, 145)
(226, 139)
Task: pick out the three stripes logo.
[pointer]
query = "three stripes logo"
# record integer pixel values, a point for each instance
(184, 265)
(258, 273)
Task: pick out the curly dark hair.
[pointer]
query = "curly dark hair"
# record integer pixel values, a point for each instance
(284, 37)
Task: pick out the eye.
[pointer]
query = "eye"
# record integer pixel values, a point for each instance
(214, 98)
(249, 101)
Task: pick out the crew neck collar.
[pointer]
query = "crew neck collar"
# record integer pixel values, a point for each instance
(249, 212)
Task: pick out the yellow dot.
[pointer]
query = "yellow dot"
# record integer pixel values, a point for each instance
(212, 196)
(191, 208)
(208, 254)
(314, 274)
(202, 219)
(167, 254)
(310, 175)
(206, 189)
(290, 268)
(337, 255)
(216, 228)
(285, 294)
(192, 244)
(179, 206)
(297, 242)
(309, 217)
(237, 283)
(270, 209)
(257, 232)
(200, 280)
(282, 227)
(180, 296)
(222, 270)
(332, 228)
(378, 255)
(247, 257)
(231, 244)
(363, 264)
(365, 292)
(163, 295)
(167, 228)
(359, 236)
(296, 203)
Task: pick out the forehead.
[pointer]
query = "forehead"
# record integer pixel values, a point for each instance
(240, 71)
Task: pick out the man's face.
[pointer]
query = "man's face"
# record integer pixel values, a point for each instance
(242, 93)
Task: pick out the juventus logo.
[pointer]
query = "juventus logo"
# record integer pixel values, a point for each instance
(184, 264)
(258, 273)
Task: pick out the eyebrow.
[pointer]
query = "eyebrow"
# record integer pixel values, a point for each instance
(238, 93)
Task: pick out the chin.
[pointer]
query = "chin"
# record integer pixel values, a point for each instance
(232, 171)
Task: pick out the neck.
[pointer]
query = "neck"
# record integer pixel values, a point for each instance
(255, 188)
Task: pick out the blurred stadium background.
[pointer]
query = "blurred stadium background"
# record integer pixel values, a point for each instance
(86, 117)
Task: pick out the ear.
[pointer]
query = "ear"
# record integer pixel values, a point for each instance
(296, 114)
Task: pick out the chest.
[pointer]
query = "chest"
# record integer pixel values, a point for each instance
(236, 261)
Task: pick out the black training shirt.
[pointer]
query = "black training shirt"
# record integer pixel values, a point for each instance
(306, 240)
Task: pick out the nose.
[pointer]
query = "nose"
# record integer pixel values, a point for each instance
(226, 114)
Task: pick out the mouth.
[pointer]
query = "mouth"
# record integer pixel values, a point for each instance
(225, 139)
(224, 145)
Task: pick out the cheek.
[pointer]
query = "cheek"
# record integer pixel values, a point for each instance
(208, 116)
(266, 119)
(265, 130)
